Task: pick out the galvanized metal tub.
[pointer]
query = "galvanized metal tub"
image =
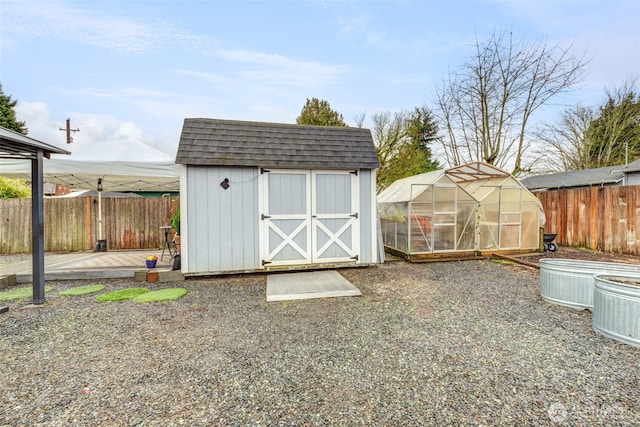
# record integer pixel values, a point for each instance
(616, 310)
(570, 282)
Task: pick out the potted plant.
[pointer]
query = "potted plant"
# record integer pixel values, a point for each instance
(175, 224)
(151, 261)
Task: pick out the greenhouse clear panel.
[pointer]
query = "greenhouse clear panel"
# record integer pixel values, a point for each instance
(510, 217)
(466, 225)
(530, 225)
(489, 217)
(421, 226)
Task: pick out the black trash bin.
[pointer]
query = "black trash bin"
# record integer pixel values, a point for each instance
(101, 246)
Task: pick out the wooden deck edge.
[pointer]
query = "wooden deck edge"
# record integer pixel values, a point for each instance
(281, 269)
(448, 258)
(461, 256)
(516, 260)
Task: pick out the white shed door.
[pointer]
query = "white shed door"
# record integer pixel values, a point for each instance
(334, 221)
(309, 217)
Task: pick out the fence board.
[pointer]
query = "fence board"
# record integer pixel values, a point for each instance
(71, 224)
(593, 223)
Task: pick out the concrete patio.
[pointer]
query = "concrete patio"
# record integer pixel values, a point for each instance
(87, 265)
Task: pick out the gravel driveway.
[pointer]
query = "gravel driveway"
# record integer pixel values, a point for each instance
(465, 343)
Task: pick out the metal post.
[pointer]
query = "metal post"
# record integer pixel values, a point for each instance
(37, 227)
(101, 246)
(99, 209)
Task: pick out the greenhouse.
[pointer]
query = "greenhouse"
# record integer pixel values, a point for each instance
(468, 210)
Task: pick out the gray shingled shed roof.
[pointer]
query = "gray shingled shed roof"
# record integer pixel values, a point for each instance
(609, 175)
(213, 142)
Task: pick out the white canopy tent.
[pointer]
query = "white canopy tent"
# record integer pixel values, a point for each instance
(157, 176)
(103, 176)
(95, 193)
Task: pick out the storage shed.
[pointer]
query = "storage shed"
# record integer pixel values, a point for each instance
(468, 210)
(263, 196)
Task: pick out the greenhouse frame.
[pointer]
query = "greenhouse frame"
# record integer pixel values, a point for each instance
(473, 210)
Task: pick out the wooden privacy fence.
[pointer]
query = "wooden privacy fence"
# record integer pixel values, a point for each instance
(602, 218)
(71, 224)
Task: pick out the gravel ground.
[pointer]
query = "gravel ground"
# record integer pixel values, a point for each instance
(451, 343)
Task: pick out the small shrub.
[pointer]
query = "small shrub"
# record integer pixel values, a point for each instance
(14, 188)
(175, 221)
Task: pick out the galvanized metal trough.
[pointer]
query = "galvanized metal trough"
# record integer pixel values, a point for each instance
(616, 311)
(570, 282)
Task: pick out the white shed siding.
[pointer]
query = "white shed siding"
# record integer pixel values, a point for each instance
(221, 228)
(368, 212)
(222, 233)
(632, 178)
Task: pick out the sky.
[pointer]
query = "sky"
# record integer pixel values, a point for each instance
(127, 73)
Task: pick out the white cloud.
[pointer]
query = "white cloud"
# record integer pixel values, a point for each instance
(211, 77)
(361, 24)
(39, 122)
(159, 103)
(100, 137)
(354, 24)
(250, 84)
(278, 69)
(107, 28)
(607, 32)
(243, 77)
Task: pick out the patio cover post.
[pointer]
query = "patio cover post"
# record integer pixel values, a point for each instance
(99, 209)
(37, 227)
(101, 246)
(15, 146)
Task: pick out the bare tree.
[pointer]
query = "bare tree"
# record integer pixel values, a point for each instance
(564, 145)
(359, 119)
(389, 136)
(487, 105)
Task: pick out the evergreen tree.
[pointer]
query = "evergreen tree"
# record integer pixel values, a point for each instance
(11, 188)
(8, 115)
(422, 129)
(403, 143)
(319, 113)
(613, 138)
